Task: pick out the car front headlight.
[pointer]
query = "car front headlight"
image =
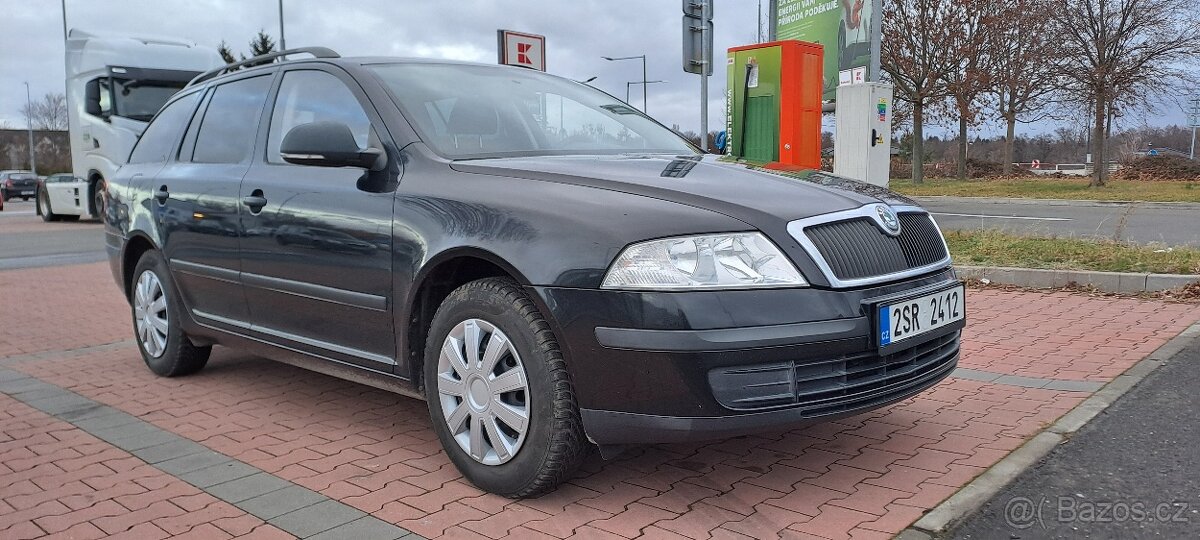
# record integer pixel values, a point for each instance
(709, 261)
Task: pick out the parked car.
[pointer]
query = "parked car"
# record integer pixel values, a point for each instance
(15, 184)
(548, 267)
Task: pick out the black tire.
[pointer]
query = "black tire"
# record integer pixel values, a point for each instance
(98, 198)
(554, 444)
(179, 356)
(43, 206)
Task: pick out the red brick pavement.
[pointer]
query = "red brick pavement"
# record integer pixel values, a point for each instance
(868, 476)
(1066, 336)
(57, 481)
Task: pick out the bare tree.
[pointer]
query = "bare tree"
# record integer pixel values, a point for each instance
(917, 56)
(971, 77)
(50, 112)
(1120, 54)
(1025, 66)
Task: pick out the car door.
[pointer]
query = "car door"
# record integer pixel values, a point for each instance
(316, 255)
(197, 201)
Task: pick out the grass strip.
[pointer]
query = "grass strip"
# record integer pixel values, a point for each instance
(990, 248)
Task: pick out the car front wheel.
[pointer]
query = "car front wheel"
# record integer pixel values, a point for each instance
(499, 393)
(157, 313)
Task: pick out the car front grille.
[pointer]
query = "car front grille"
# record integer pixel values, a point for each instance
(856, 248)
(842, 384)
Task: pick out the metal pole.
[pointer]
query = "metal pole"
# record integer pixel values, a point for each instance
(627, 92)
(282, 41)
(64, 14)
(29, 121)
(759, 22)
(645, 104)
(1193, 156)
(705, 6)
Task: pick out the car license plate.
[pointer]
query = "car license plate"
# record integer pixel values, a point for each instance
(915, 316)
(27, 192)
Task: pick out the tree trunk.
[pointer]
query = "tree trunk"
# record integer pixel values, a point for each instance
(1009, 140)
(918, 143)
(962, 145)
(1099, 161)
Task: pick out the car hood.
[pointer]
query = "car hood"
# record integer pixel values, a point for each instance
(757, 197)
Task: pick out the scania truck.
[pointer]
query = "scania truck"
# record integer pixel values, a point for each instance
(115, 85)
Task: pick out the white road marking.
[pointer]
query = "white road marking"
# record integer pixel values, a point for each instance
(1001, 217)
(24, 213)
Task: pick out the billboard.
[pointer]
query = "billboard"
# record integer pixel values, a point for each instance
(849, 30)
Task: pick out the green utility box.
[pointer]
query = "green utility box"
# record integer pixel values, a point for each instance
(773, 99)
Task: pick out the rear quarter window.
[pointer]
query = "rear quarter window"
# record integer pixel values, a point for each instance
(162, 135)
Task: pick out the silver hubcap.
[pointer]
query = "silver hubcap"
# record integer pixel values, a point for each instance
(150, 313)
(483, 392)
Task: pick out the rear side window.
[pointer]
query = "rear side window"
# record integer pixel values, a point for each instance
(230, 121)
(162, 135)
(308, 96)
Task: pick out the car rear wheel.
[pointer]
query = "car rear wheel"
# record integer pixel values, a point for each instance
(157, 313)
(43, 206)
(499, 393)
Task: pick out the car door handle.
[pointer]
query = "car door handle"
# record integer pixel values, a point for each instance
(255, 200)
(162, 195)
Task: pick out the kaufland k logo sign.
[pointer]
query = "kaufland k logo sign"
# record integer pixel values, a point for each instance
(521, 49)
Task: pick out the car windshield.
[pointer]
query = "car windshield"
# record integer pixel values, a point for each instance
(468, 111)
(140, 100)
(23, 176)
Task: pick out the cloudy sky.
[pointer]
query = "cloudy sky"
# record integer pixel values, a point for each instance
(578, 33)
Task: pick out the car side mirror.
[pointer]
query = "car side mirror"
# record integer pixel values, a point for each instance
(328, 144)
(91, 99)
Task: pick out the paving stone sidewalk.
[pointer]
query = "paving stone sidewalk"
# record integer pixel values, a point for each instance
(356, 451)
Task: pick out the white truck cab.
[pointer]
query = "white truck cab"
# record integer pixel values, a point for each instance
(115, 85)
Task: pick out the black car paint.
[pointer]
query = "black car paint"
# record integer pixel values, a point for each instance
(256, 283)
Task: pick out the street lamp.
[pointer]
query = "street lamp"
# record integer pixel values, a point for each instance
(282, 42)
(29, 121)
(643, 83)
(643, 58)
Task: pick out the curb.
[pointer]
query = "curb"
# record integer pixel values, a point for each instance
(1050, 202)
(984, 487)
(1113, 282)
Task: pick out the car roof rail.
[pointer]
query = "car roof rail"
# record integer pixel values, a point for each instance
(316, 52)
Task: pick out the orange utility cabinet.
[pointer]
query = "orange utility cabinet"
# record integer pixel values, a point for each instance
(773, 99)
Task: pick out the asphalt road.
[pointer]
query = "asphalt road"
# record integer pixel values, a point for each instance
(1130, 473)
(26, 242)
(1169, 224)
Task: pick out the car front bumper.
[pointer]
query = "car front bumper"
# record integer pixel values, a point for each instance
(653, 367)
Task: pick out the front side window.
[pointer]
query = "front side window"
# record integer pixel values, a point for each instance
(162, 135)
(308, 96)
(467, 111)
(230, 121)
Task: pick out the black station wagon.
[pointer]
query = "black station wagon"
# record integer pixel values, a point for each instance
(548, 267)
